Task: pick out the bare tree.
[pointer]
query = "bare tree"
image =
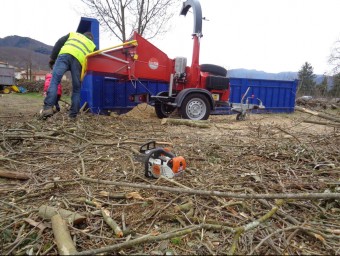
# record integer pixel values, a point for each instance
(27, 59)
(147, 17)
(334, 58)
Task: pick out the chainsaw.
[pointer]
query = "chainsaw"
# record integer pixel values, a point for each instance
(160, 161)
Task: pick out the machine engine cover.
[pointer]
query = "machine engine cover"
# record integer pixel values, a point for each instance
(217, 83)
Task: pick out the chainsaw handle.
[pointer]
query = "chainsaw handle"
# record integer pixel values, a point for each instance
(147, 146)
(157, 152)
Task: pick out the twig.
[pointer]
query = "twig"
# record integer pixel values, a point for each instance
(82, 164)
(14, 206)
(272, 234)
(252, 225)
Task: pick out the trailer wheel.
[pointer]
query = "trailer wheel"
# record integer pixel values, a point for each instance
(213, 69)
(195, 106)
(163, 110)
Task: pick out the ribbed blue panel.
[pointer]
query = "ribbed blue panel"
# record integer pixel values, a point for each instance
(104, 94)
(276, 95)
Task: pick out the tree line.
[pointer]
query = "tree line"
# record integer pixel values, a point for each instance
(329, 87)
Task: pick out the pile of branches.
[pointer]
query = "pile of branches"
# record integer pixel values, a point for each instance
(32, 86)
(319, 103)
(38, 86)
(77, 188)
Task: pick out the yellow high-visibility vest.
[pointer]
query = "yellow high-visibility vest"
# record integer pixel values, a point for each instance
(78, 46)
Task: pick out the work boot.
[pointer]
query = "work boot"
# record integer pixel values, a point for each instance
(45, 113)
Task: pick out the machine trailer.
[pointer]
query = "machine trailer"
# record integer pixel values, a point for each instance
(120, 77)
(193, 90)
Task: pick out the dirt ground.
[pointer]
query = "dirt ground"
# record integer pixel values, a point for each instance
(17, 104)
(90, 167)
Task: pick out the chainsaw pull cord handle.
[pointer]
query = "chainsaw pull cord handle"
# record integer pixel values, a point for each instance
(155, 153)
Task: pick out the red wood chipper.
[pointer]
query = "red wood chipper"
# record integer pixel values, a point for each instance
(194, 90)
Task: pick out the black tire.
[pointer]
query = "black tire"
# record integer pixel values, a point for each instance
(163, 110)
(195, 106)
(213, 69)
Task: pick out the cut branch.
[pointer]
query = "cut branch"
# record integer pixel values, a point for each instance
(113, 225)
(192, 123)
(314, 113)
(62, 236)
(154, 238)
(13, 175)
(322, 123)
(299, 196)
(47, 212)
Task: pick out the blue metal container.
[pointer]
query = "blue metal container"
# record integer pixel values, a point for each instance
(106, 94)
(276, 95)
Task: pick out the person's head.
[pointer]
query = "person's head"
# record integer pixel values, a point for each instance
(89, 35)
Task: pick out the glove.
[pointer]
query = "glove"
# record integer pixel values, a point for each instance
(51, 63)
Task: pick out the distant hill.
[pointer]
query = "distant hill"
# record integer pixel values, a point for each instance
(255, 74)
(26, 43)
(23, 51)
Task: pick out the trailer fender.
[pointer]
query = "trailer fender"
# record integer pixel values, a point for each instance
(182, 94)
(162, 96)
(163, 93)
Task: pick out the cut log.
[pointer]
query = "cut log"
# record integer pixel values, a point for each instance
(47, 212)
(113, 225)
(333, 106)
(314, 113)
(62, 236)
(14, 175)
(192, 123)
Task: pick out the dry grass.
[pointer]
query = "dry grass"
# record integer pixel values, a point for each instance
(266, 154)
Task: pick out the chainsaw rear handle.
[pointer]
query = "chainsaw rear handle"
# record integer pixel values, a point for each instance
(157, 153)
(147, 146)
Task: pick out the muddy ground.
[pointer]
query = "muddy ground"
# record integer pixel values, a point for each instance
(90, 167)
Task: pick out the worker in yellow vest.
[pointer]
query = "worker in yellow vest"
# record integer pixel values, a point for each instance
(68, 54)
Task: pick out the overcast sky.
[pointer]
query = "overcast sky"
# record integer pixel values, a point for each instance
(267, 35)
